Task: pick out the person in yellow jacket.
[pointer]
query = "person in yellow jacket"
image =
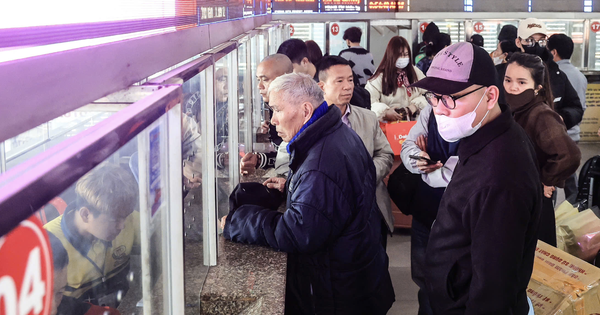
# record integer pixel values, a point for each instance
(99, 233)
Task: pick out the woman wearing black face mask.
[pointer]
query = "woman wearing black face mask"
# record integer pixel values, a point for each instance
(529, 97)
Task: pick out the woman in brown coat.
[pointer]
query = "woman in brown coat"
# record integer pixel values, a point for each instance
(529, 96)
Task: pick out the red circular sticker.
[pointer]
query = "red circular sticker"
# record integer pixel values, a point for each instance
(291, 30)
(423, 26)
(26, 272)
(335, 29)
(478, 27)
(595, 27)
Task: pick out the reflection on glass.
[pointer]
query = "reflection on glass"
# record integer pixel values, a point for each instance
(45, 136)
(97, 226)
(222, 141)
(243, 82)
(195, 270)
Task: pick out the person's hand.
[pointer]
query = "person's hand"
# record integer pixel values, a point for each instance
(424, 167)
(548, 190)
(263, 129)
(192, 171)
(222, 223)
(422, 143)
(391, 115)
(276, 183)
(248, 164)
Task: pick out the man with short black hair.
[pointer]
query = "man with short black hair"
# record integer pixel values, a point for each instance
(561, 47)
(336, 80)
(297, 51)
(360, 59)
(481, 248)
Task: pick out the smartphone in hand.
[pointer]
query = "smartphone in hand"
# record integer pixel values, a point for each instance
(422, 158)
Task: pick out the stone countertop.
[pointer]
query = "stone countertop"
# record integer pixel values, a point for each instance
(248, 279)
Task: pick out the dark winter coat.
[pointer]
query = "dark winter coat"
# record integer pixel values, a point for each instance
(331, 228)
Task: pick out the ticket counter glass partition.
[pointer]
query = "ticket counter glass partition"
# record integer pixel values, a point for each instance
(110, 198)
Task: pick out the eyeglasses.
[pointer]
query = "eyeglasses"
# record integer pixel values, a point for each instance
(530, 42)
(404, 55)
(448, 100)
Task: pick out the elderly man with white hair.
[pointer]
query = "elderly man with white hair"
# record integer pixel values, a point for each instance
(331, 228)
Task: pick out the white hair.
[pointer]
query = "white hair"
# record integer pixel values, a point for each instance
(297, 88)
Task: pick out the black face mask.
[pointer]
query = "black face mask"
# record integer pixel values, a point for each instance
(535, 50)
(516, 101)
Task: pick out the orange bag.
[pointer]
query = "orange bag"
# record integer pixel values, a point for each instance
(396, 132)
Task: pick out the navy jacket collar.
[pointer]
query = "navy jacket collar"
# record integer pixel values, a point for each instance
(306, 137)
(474, 143)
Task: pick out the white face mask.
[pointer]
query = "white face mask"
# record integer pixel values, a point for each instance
(498, 60)
(454, 129)
(401, 63)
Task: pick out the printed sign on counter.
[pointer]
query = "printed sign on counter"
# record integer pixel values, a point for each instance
(26, 285)
(591, 117)
(562, 284)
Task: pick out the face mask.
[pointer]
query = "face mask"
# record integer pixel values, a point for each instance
(454, 129)
(516, 101)
(401, 63)
(498, 60)
(535, 50)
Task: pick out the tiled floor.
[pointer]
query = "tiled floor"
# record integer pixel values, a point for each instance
(398, 250)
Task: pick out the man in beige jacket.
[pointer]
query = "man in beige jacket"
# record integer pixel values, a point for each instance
(336, 80)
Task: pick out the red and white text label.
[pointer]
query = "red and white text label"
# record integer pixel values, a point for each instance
(478, 27)
(423, 27)
(335, 29)
(26, 270)
(595, 27)
(291, 30)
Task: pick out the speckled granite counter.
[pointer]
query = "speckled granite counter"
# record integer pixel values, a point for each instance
(247, 280)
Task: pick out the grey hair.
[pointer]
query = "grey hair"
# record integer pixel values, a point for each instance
(297, 88)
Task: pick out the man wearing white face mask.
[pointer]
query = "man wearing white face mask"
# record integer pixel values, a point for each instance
(481, 249)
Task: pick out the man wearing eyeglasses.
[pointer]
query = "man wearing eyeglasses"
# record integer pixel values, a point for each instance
(532, 39)
(481, 249)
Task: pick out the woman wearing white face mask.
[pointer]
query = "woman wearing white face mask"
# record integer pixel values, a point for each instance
(528, 94)
(391, 99)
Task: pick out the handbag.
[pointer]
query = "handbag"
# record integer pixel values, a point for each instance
(402, 185)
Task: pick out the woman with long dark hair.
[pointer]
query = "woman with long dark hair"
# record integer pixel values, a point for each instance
(391, 98)
(529, 95)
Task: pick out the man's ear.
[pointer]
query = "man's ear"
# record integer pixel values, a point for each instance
(307, 111)
(85, 214)
(492, 96)
(322, 85)
(304, 62)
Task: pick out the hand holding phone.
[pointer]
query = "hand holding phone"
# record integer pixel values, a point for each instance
(422, 158)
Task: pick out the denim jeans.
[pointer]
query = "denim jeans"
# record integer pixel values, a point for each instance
(418, 245)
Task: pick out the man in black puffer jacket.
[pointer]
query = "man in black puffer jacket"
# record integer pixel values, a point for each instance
(532, 40)
(331, 228)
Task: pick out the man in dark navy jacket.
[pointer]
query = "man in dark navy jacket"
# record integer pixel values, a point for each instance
(481, 248)
(331, 228)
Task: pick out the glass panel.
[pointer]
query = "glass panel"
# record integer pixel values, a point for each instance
(244, 110)
(310, 31)
(47, 135)
(194, 269)
(222, 141)
(573, 29)
(336, 34)
(256, 98)
(119, 225)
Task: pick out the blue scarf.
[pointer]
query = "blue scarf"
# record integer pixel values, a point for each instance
(319, 112)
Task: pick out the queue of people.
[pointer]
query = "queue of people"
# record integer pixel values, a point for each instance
(489, 153)
(493, 152)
